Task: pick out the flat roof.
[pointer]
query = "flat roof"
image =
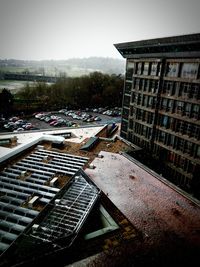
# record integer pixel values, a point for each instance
(168, 220)
(182, 45)
(152, 204)
(30, 138)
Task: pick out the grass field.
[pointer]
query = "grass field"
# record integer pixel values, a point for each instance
(14, 86)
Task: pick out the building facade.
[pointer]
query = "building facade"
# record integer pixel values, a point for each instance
(161, 104)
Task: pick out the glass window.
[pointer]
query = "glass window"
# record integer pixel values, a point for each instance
(150, 118)
(128, 88)
(188, 107)
(165, 121)
(168, 88)
(195, 111)
(146, 85)
(137, 84)
(145, 100)
(146, 68)
(195, 91)
(164, 103)
(154, 67)
(172, 70)
(124, 126)
(139, 68)
(153, 87)
(179, 107)
(130, 70)
(198, 152)
(131, 124)
(126, 100)
(189, 70)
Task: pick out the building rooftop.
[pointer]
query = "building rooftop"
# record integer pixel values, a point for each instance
(140, 218)
(183, 45)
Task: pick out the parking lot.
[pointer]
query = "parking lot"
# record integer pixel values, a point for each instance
(61, 118)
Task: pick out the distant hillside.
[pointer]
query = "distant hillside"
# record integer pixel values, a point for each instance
(70, 67)
(106, 65)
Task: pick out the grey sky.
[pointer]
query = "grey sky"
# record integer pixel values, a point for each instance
(61, 29)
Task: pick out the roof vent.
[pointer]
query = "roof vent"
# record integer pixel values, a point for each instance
(54, 181)
(91, 166)
(33, 201)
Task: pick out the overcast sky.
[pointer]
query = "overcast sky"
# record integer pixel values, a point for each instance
(61, 29)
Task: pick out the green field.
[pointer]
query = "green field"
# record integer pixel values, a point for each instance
(13, 86)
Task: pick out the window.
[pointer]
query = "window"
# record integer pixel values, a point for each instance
(131, 124)
(124, 126)
(179, 107)
(128, 88)
(132, 111)
(130, 70)
(164, 104)
(130, 136)
(154, 67)
(180, 145)
(145, 99)
(144, 116)
(189, 70)
(139, 99)
(169, 106)
(150, 101)
(165, 121)
(188, 148)
(139, 114)
(182, 127)
(171, 140)
(196, 132)
(150, 118)
(153, 87)
(125, 112)
(146, 68)
(168, 88)
(133, 97)
(195, 91)
(161, 136)
(195, 112)
(187, 110)
(137, 84)
(185, 90)
(146, 86)
(126, 100)
(198, 152)
(139, 68)
(148, 133)
(142, 84)
(172, 70)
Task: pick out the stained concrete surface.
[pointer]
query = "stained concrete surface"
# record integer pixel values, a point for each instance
(169, 221)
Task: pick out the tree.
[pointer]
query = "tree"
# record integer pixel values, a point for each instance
(6, 103)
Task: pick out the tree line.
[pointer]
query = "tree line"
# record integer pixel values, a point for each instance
(93, 90)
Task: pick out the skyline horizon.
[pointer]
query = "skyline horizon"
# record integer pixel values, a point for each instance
(65, 59)
(97, 56)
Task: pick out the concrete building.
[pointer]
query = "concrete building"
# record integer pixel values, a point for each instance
(161, 103)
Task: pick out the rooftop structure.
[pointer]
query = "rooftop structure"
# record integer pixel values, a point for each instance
(115, 214)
